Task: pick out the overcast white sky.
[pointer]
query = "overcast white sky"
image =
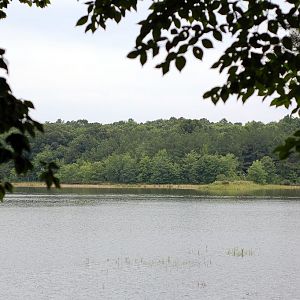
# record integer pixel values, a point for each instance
(71, 75)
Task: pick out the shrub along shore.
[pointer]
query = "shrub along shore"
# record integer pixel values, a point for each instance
(243, 186)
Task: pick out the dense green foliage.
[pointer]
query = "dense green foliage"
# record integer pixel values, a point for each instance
(164, 151)
(262, 58)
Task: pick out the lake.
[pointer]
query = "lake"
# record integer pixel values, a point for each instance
(113, 245)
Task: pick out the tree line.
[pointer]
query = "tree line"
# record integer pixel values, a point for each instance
(163, 151)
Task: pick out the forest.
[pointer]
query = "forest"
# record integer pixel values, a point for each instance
(163, 151)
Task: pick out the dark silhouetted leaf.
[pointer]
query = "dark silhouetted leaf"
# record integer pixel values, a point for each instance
(207, 43)
(82, 21)
(180, 62)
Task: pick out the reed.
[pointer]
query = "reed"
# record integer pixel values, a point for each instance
(240, 252)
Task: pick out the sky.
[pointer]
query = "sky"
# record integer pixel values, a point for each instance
(71, 75)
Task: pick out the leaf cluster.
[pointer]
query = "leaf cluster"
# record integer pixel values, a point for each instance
(38, 3)
(99, 12)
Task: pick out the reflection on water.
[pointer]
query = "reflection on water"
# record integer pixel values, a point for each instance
(111, 245)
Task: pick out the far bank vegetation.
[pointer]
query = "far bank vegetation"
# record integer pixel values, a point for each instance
(175, 151)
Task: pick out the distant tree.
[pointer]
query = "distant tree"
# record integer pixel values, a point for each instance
(189, 167)
(228, 166)
(129, 169)
(144, 169)
(112, 168)
(70, 173)
(289, 170)
(97, 172)
(208, 167)
(86, 172)
(257, 173)
(270, 168)
(120, 168)
(163, 170)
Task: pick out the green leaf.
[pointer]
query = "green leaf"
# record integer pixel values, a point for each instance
(155, 51)
(183, 49)
(90, 27)
(165, 67)
(273, 26)
(3, 65)
(248, 94)
(215, 65)
(207, 95)
(177, 23)
(156, 33)
(90, 8)
(143, 58)
(180, 63)
(287, 43)
(118, 17)
(133, 54)
(207, 43)
(82, 20)
(2, 14)
(198, 52)
(224, 94)
(217, 35)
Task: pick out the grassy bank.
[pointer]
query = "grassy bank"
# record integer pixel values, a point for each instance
(239, 188)
(235, 186)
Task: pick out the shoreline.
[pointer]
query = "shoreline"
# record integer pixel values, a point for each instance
(216, 186)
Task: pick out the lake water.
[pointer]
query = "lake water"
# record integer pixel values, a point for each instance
(148, 246)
